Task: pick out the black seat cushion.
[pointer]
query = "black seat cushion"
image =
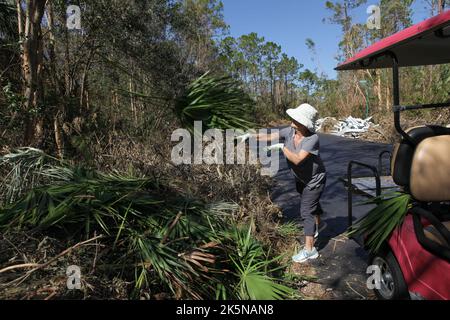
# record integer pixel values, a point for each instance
(401, 168)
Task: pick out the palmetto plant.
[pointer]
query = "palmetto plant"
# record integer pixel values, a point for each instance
(158, 235)
(22, 170)
(219, 102)
(252, 267)
(381, 221)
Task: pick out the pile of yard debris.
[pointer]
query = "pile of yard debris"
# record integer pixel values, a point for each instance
(127, 244)
(348, 127)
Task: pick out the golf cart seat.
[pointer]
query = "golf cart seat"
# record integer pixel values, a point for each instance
(404, 152)
(430, 183)
(430, 170)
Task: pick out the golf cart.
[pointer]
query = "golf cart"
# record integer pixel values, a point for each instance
(415, 261)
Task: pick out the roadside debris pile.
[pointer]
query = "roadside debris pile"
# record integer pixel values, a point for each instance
(349, 127)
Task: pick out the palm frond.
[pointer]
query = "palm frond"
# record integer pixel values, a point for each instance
(22, 169)
(168, 239)
(381, 221)
(253, 269)
(219, 102)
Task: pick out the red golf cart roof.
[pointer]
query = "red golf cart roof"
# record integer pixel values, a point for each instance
(425, 43)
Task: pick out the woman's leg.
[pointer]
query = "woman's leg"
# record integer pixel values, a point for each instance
(310, 211)
(318, 216)
(309, 243)
(299, 186)
(309, 220)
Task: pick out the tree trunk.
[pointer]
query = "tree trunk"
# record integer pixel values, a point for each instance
(379, 88)
(441, 6)
(59, 117)
(67, 78)
(84, 79)
(59, 138)
(132, 106)
(32, 58)
(389, 102)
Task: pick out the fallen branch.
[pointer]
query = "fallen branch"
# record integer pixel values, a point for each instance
(348, 284)
(38, 266)
(20, 266)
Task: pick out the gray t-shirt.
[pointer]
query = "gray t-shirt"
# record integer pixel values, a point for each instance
(311, 171)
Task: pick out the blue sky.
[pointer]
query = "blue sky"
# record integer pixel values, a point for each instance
(290, 22)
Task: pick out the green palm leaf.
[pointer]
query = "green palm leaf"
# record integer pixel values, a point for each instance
(381, 221)
(167, 240)
(253, 269)
(219, 102)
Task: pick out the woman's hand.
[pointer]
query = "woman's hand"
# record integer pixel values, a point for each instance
(259, 136)
(275, 147)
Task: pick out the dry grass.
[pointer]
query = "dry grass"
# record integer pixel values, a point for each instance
(50, 282)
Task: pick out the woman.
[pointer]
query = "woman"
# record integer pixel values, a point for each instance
(301, 148)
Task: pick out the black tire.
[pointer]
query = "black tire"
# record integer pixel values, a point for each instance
(393, 285)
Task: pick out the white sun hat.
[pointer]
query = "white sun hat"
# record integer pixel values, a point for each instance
(306, 115)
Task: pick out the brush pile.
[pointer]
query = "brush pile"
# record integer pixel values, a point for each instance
(151, 238)
(348, 127)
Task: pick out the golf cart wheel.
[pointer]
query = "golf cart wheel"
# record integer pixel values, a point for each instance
(392, 284)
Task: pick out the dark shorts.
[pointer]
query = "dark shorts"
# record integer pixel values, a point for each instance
(310, 205)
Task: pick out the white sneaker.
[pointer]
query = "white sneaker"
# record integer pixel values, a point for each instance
(306, 255)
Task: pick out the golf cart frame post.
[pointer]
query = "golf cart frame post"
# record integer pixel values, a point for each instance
(397, 108)
(377, 173)
(417, 251)
(403, 49)
(351, 189)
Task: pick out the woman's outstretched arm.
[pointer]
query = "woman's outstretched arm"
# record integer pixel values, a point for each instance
(275, 136)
